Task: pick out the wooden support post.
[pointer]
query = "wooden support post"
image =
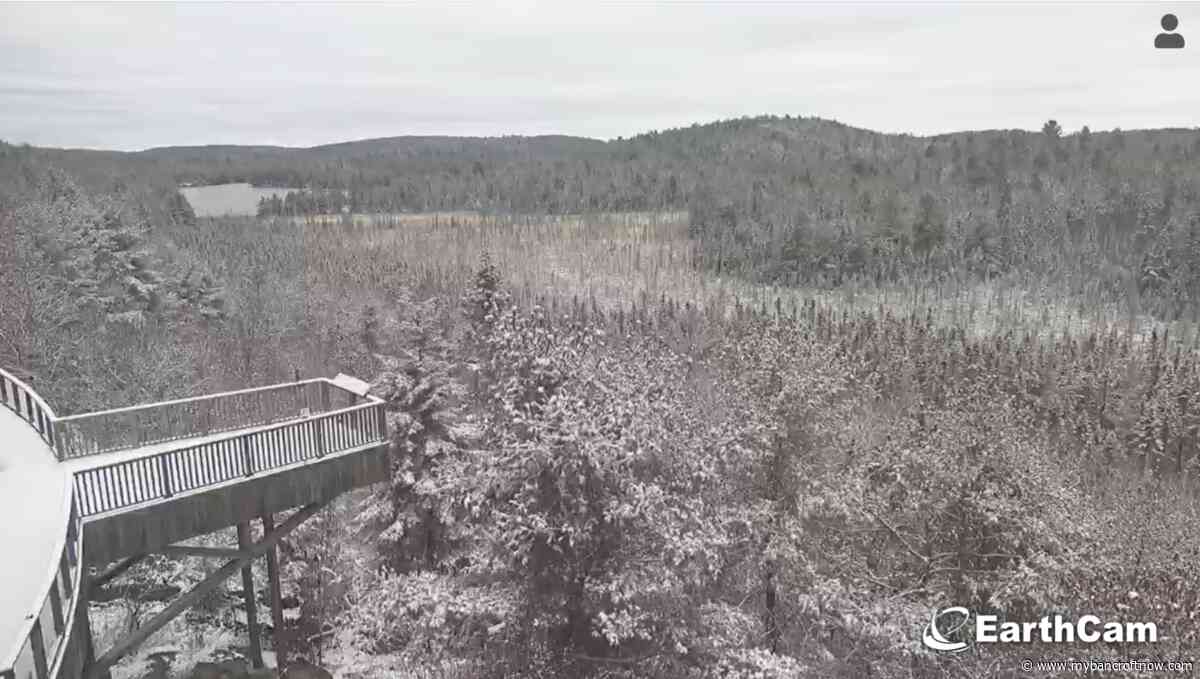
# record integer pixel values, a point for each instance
(256, 659)
(85, 629)
(277, 643)
(99, 669)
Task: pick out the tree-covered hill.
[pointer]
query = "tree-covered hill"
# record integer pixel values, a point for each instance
(649, 486)
(781, 199)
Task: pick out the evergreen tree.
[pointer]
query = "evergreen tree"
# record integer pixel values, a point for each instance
(1052, 131)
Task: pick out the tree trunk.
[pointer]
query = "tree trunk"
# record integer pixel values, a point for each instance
(770, 618)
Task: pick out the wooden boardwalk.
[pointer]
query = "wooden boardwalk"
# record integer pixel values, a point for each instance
(35, 504)
(123, 474)
(121, 479)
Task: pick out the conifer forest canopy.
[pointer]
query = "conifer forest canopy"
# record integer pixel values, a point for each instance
(746, 396)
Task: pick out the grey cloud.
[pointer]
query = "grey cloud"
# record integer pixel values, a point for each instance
(133, 76)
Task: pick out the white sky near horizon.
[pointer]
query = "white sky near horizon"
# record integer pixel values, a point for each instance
(134, 76)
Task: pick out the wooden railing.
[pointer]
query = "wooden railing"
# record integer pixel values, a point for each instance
(162, 475)
(123, 428)
(46, 629)
(24, 401)
(50, 623)
(298, 422)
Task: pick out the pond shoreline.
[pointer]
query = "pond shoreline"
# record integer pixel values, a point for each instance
(238, 200)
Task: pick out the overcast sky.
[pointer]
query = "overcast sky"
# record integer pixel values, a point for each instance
(135, 76)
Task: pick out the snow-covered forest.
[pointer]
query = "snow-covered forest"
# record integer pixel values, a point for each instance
(745, 399)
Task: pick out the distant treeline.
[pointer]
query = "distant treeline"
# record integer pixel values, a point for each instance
(305, 203)
(785, 199)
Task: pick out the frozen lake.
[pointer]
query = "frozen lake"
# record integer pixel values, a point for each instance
(227, 199)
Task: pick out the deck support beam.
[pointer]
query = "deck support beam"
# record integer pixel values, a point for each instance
(277, 635)
(99, 669)
(83, 620)
(251, 603)
(115, 571)
(204, 552)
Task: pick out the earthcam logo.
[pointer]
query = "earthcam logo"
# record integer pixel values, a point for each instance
(989, 629)
(935, 639)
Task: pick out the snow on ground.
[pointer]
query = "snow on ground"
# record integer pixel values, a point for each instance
(33, 519)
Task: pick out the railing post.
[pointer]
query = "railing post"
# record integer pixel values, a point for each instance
(52, 436)
(72, 557)
(246, 454)
(38, 642)
(324, 397)
(164, 472)
(381, 421)
(298, 394)
(62, 440)
(56, 611)
(320, 425)
(64, 567)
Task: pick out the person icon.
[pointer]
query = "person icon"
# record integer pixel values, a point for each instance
(1169, 40)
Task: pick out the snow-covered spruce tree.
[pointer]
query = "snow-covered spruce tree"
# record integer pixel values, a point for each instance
(315, 572)
(430, 362)
(598, 497)
(483, 304)
(420, 384)
(179, 210)
(486, 297)
(876, 492)
(106, 313)
(419, 605)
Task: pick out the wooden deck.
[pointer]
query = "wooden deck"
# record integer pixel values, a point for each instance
(156, 473)
(149, 526)
(96, 487)
(35, 503)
